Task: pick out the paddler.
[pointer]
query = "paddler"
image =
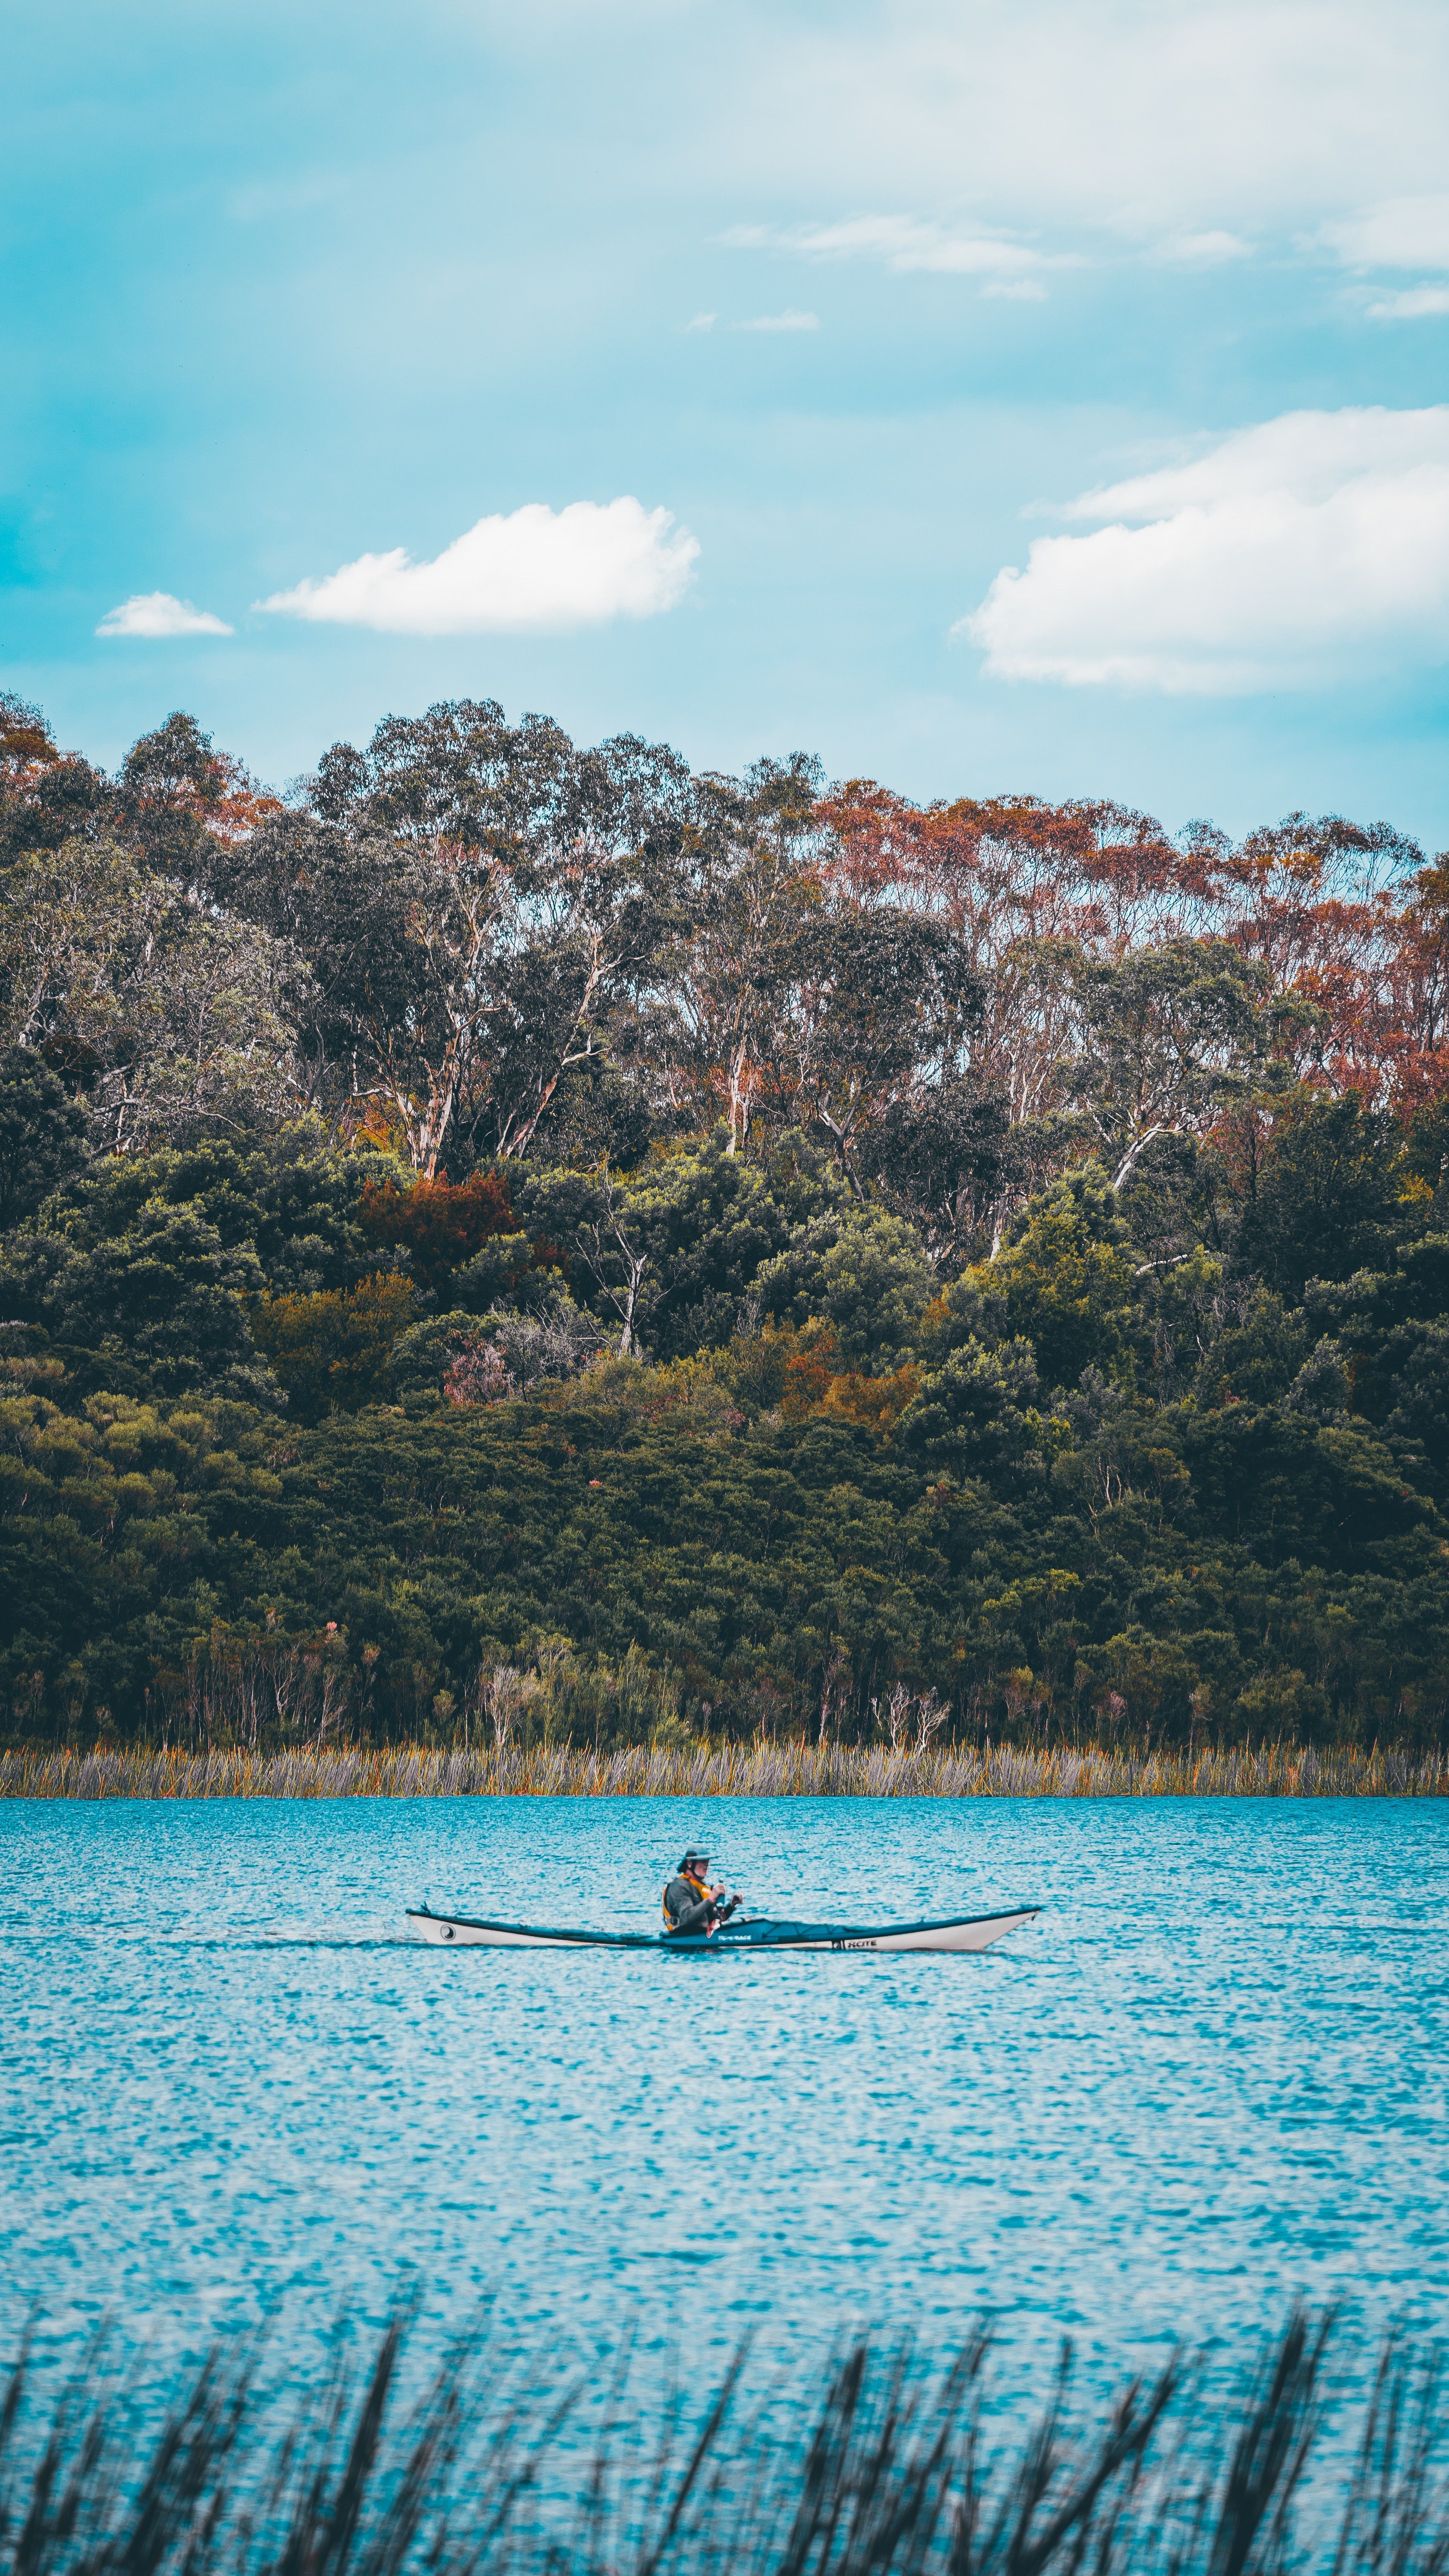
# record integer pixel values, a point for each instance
(690, 1903)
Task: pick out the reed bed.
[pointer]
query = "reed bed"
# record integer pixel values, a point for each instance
(761, 1770)
(886, 2468)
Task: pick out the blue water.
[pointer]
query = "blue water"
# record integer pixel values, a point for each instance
(1213, 2075)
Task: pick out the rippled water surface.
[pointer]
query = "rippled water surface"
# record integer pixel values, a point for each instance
(1213, 2074)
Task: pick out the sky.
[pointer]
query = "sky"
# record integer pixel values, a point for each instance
(991, 396)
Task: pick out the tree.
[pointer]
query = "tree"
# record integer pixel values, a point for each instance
(46, 797)
(875, 1012)
(706, 1220)
(1066, 1283)
(42, 1134)
(1167, 1035)
(727, 955)
(861, 1271)
(1327, 1199)
(173, 1022)
(159, 1308)
(475, 899)
(589, 1224)
(26, 741)
(332, 1352)
(289, 1197)
(945, 1157)
(339, 901)
(542, 870)
(1256, 1357)
(437, 1226)
(178, 799)
(977, 1411)
(1345, 920)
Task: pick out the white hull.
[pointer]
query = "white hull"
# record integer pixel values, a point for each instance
(977, 1933)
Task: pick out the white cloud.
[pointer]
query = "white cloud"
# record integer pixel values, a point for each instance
(1281, 556)
(154, 613)
(1129, 117)
(1008, 265)
(902, 242)
(534, 571)
(789, 321)
(1402, 232)
(1410, 304)
(702, 322)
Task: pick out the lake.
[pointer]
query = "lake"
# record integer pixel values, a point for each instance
(1212, 2076)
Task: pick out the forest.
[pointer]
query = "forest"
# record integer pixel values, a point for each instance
(505, 1242)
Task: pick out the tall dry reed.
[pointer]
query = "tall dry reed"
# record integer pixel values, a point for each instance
(759, 1770)
(896, 2470)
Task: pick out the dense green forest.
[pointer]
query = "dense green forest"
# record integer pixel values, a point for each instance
(508, 1239)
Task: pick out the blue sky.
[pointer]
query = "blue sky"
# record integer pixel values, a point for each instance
(1031, 395)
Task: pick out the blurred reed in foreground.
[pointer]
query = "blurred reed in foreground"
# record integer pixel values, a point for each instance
(761, 1770)
(893, 2471)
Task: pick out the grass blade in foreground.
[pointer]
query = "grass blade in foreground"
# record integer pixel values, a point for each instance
(904, 2472)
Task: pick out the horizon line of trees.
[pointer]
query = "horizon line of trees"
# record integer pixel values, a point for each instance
(989, 1250)
(474, 942)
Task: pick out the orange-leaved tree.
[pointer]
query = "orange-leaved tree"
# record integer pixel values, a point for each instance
(438, 1225)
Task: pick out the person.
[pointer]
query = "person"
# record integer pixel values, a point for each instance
(690, 1903)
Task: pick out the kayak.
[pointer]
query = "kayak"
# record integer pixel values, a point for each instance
(748, 1932)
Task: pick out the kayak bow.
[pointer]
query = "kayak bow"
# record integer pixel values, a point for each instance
(752, 1932)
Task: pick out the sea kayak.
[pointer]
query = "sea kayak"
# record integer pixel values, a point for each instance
(747, 1932)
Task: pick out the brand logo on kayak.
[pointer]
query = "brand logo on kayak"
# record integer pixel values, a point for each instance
(852, 1945)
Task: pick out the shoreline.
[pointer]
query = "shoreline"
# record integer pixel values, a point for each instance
(760, 1770)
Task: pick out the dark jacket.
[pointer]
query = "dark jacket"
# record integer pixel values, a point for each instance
(684, 1896)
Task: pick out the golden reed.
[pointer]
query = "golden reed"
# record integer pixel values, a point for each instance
(759, 1770)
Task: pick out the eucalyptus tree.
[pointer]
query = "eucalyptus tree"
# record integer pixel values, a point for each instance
(874, 1014)
(786, 998)
(477, 901)
(744, 888)
(170, 1020)
(947, 1157)
(1168, 1036)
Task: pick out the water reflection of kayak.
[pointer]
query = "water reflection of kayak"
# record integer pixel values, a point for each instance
(746, 1932)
